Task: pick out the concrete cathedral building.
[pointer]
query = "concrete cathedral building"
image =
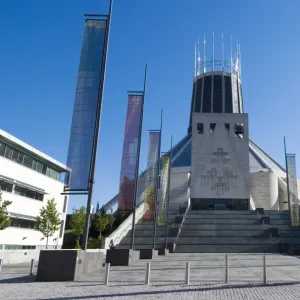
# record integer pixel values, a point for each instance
(218, 171)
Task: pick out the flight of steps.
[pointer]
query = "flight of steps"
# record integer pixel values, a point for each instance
(143, 238)
(227, 232)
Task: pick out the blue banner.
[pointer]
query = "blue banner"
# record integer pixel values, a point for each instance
(85, 106)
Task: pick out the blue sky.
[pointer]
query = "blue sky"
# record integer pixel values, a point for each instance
(39, 58)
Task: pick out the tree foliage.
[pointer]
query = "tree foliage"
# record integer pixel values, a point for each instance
(4, 219)
(77, 224)
(100, 223)
(48, 222)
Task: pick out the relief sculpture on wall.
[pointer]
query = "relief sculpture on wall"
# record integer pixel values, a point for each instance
(220, 177)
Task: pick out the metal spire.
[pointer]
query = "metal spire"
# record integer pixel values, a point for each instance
(213, 53)
(199, 58)
(240, 59)
(237, 57)
(195, 67)
(204, 58)
(230, 53)
(222, 53)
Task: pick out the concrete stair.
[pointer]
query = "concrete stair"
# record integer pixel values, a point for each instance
(226, 232)
(143, 238)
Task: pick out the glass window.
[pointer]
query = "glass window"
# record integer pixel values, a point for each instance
(2, 149)
(27, 161)
(61, 229)
(34, 163)
(5, 186)
(65, 204)
(8, 152)
(29, 193)
(39, 167)
(14, 156)
(20, 158)
(200, 128)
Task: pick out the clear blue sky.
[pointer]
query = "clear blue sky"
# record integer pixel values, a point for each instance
(39, 58)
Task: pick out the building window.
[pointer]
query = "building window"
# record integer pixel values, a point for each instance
(2, 149)
(8, 152)
(28, 161)
(6, 187)
(200, 128)
(14, 156)
(29, 193)
(239, 130)
(65, 204)
(227, 126)
(61, 229)
(19, 247)
(212, 127)
(22, 223)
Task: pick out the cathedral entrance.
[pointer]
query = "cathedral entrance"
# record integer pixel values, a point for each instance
(220, 204)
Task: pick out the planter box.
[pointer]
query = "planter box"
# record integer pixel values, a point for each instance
(163, 251)
(69, 265)
(148, 253)
(121, 257)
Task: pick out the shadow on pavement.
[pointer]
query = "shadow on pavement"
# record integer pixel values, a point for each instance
(20, 279)
(156, 292)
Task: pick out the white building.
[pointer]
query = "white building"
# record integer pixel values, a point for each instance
(29, 178)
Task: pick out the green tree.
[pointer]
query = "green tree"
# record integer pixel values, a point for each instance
(48, 222)
(100, 222)
(77, 224)
(4, 219)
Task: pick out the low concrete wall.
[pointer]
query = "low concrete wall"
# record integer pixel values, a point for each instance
(25, 256)
(18, 256)
(123, 229)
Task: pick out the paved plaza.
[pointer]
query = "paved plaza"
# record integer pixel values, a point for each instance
(207, 277)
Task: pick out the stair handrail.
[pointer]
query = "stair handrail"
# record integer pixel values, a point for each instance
(123, 228)
(182, 221)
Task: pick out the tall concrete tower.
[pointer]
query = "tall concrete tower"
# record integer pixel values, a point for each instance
(219, 130)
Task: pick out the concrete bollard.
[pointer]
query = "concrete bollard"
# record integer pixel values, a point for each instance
(187, 273)
(31, 267)
(147, 277)
(1, 263)
(106, 279)
(226, 269)
(264, 270)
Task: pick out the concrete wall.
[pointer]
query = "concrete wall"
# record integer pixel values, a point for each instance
(123, 229)
(264, 189)
(30, 207)
(220, 160)
(179, 186)
(19, 256)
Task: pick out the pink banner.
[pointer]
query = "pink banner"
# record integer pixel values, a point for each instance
(129, 156)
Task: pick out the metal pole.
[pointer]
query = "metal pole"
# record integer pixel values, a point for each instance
(135, 195)
(147, 277)
(264, 270)
(168, 192)
(226, 269)
(1, 263)
(287, 182)
(156, 205)
(107, 267)
(96, 134)
(187, 273)
(31, 267)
